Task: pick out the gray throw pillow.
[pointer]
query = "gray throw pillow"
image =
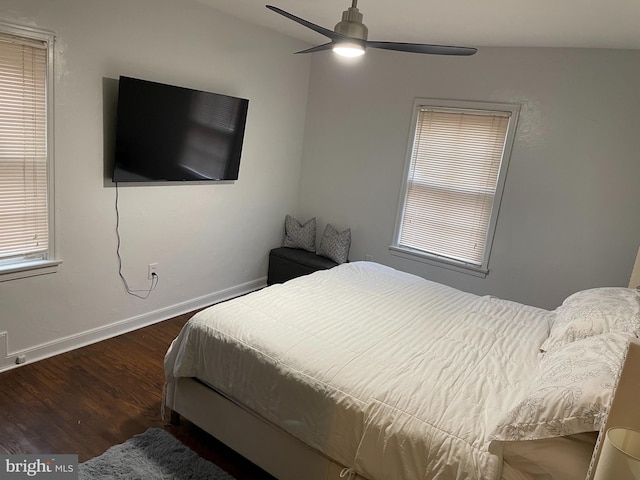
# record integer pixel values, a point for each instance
(299, 236)
(335, 245)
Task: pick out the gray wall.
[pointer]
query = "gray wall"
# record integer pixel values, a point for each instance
(569, 218)
(210, 241)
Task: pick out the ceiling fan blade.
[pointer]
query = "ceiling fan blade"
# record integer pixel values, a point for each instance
(317, 28)
(319, 48)
(423, 48)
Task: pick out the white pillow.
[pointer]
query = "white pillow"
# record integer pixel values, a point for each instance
(595, 311)
(570, 392)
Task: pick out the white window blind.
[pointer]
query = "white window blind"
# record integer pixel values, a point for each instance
(23, 149)
(451, 184)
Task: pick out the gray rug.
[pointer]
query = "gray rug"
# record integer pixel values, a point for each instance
(152, 455)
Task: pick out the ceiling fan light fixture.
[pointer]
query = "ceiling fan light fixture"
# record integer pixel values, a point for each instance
(349, 37)
(348, 49)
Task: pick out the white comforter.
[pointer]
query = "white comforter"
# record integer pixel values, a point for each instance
(388, 374)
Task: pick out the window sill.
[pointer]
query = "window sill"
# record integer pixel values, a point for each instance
(28, 269)
(437, 261)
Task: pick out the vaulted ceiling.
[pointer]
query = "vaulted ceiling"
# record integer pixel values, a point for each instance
(512, 23)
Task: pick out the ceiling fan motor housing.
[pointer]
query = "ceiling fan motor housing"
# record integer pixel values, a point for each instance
(351, 24)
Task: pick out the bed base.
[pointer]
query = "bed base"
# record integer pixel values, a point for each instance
(266, 445)
(271, 448)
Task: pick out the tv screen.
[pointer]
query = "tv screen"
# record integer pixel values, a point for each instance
(169, 133)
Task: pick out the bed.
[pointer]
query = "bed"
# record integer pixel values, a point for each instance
(366, 372)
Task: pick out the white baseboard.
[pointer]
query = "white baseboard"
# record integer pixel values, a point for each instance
(8, 360)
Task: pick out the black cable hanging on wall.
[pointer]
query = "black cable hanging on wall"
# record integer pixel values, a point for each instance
(154, 276)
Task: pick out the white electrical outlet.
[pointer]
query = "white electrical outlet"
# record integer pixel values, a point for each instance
(153, 268)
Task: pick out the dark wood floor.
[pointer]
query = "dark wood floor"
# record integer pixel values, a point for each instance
(90, 399)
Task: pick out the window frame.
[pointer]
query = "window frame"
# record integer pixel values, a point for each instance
(29, 267)
(439, 260)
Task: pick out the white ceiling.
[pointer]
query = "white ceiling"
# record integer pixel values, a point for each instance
(476, 23)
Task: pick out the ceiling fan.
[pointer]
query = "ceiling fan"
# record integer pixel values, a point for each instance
(349, 37)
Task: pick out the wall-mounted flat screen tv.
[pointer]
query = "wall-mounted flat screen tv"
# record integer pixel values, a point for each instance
(166, 133)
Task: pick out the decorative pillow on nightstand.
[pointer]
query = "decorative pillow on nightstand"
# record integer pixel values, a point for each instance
(299, 236)
(335, 245)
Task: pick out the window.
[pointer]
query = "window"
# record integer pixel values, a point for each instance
(26, 163)
(453, 182)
